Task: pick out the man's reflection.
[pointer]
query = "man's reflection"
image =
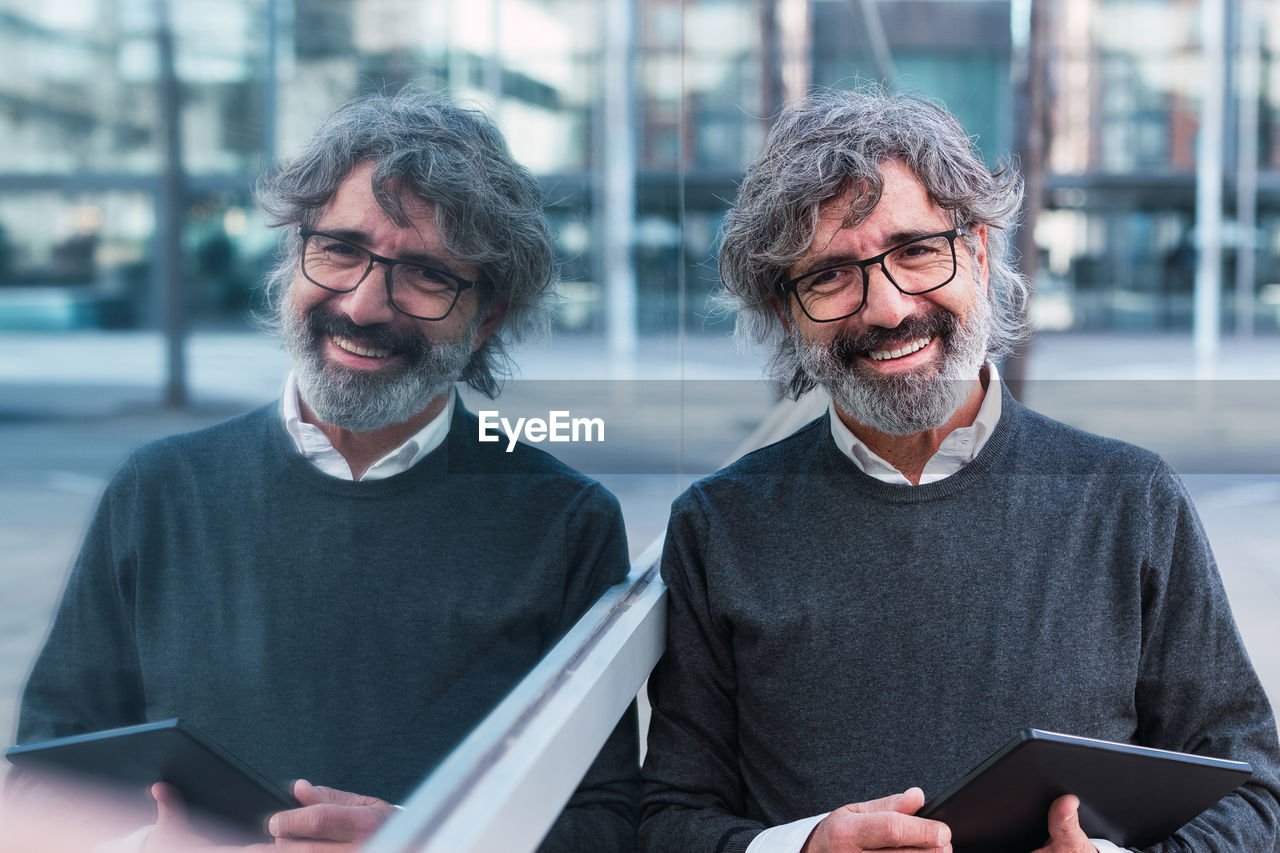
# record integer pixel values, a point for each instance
(339, 586)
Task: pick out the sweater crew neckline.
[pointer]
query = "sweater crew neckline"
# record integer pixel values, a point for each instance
(993, 451)
(307, 475)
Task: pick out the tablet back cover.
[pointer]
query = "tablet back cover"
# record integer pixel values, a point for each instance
(210, 779)
(1131, 795)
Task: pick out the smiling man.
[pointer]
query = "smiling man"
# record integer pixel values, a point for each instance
(865, 610)
(337, 587)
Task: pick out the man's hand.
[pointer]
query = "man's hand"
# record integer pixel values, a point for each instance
(886, 824)
(329, 820)
(1065, 834)
(174, 831)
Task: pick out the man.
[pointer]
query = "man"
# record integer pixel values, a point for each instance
(871, 606)
(337, 587)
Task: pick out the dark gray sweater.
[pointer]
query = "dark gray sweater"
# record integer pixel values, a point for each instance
(834, 639)
(346, 632)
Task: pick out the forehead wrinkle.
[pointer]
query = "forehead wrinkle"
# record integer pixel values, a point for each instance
(412, 209)
(861, 199)
(416, 216)
(815, 251)
(403, 207)
(864, 194)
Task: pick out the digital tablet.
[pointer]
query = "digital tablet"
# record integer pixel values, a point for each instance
(212, 780)
(1131, 795)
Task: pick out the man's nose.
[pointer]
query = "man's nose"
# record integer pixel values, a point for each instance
(885, 306)
(369, 304)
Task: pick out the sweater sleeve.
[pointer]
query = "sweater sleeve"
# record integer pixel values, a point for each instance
(600, 816)
(693, 795)
(1197, 690)
(87, 676)
(594, 546)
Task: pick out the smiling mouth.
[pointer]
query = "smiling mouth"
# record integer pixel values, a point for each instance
(899, 352)
(354, 348)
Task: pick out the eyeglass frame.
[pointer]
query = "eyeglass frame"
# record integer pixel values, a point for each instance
(791, 285)
(374, 258)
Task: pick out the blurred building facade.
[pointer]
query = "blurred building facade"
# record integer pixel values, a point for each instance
(1119, 234)
(666, 99)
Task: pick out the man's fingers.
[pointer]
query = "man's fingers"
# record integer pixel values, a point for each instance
(172, 831)
(328, 814)
(908, 802)
(170, 808)
(1064, 820)
(894, 829)
(327, 822)
(166, 796)
(313, 795)
(889, 824)
(324, 821)
(891, 830)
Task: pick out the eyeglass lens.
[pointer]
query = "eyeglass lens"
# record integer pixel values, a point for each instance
(915, 267)
(341, 266)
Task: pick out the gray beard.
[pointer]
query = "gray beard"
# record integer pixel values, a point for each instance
(911, 402)
(363, 401)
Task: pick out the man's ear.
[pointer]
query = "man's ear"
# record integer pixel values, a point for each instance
(497, 310)
(776, 307)
(981, 233)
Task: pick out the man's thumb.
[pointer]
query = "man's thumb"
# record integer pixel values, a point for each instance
(1064, 818)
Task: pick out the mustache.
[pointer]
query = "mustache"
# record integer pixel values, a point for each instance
(937, 324)
(321, 322)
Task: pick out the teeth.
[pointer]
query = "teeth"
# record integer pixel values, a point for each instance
(367, 352)
(884, 354)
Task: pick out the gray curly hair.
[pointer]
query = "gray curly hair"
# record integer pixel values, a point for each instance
(488, 207)
(832, 142)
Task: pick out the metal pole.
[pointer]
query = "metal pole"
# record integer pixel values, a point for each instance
(795, 25)
(881, 56)
(270, 81)
(771, 96)
(170, 226)
(617, 197)
(1209, 174)
(1031, 115)
(1248, 31)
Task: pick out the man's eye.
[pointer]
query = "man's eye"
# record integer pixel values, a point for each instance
(923, 251)
(428, 277)
(828, 281)
(339, 250)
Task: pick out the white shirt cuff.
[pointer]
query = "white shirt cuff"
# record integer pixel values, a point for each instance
(1105, 846)
(787, 838)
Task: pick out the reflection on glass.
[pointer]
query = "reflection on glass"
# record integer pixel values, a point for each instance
(79, 222)
(338, 586)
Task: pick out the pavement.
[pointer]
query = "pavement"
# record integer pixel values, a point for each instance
(73, 404)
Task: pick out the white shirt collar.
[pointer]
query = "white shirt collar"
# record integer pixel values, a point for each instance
(316, 448)
(956, 451)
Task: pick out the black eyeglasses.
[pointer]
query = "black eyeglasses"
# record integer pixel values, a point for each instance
(914, 267)
(413, 288)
